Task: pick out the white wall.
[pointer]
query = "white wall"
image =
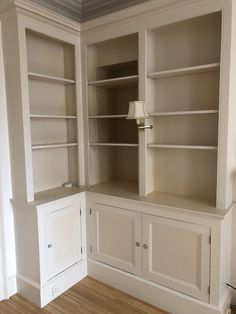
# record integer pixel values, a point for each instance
(6, 212)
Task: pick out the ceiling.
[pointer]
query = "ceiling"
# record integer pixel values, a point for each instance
(84, 10)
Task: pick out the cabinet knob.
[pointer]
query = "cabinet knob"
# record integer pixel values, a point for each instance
(49, 246)
(137, 244)
(145, 246)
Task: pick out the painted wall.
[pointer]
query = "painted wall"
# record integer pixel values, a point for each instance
(6, 212)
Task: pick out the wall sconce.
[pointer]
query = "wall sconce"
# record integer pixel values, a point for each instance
(137, 110)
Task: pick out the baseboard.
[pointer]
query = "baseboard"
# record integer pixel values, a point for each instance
(11, 286)
(159, 296)
(41, 296)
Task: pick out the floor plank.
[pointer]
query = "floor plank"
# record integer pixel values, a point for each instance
(87, 297)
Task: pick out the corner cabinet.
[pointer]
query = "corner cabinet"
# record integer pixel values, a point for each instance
(63, 239)
(50, 246)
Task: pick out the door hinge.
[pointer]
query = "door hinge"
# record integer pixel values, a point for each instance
(90, 211)
(209, 239)
(80, 212)
(209, 290)
(81, 250)
(91, 249)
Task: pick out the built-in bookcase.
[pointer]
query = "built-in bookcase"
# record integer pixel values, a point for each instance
(112, 83)
(183, 102)
(53, 114)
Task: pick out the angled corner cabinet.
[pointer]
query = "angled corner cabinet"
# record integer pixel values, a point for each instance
(146, 211)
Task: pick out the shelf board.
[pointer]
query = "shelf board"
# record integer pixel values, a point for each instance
(109, 116)
(200, 147)
(51, 116)
(114, 144)
(183, 71)
(47, 146)
(182, 113)
(48, 78)
(119, 82)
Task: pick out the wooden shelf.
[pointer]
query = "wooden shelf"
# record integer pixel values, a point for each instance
(111, 116)
(199, 147)
(114, 144)
(126, 81)
(49, 116)
(47, 146)
(184, 71)
(48, 78)
(182, 113)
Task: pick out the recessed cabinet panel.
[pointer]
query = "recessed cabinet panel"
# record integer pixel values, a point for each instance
(117, 237)
(177, 255)
(63, 240)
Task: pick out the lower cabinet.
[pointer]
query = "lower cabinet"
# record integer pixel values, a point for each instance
(169, 252)
(63, 239)
(51, 247)
(116, 237)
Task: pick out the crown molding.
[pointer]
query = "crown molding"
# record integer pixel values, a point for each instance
(30, 9)
(140, 11)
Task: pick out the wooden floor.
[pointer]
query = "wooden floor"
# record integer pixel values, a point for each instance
(87, 297)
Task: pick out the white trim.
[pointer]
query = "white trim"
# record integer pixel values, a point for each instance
(7, 253)
(27, 8)
(143, 10)
(159, 296)
(12, 287)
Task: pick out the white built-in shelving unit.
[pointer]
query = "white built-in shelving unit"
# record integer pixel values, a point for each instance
(53, 111)
(183, 102)
(112, 83)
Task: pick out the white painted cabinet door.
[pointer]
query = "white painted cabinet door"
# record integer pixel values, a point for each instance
(116, 237)
(177, 255)
(63, 239)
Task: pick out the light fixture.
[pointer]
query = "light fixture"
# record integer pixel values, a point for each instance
(137, 110)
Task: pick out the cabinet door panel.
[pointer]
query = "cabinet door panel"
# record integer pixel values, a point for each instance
(63, 239)
(115, 233)
(177, 255)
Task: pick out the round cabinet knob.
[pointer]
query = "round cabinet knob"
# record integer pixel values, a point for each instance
(49, 246)
(137, 244)
(145, 246)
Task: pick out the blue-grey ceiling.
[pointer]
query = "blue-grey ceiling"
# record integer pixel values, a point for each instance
(84, 10)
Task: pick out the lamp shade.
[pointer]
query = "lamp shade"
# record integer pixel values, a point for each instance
(137, 110)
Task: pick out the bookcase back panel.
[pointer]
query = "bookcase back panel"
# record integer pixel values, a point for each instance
(185, 130)
(190, 173)
(110, 163)
(113, 130)
(194, 42)
(103, 101)
(46, 131)
(50, 168)
(113, 58)
(188, 92)
(49, 57)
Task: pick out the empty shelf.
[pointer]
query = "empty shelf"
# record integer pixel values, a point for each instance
(182, 113)
(114, 144)
(50, 116)
(201, 147)
(46, 146)
(184, 71)
(126, 81)
(48, 78)
(111, 116)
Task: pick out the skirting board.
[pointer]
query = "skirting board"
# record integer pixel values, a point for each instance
(159, 296)
(55, 287)
(11, 286)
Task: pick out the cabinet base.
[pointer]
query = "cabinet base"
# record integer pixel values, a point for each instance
(41, 296)
(159, 296)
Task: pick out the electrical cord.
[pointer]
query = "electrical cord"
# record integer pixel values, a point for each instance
(230, 286)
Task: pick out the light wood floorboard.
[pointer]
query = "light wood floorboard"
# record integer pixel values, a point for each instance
(87, 297)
